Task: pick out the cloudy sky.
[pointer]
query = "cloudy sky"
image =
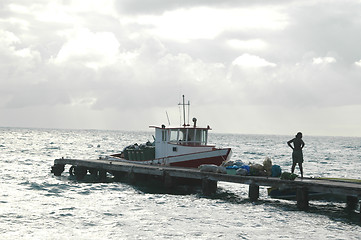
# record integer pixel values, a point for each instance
(258, 67)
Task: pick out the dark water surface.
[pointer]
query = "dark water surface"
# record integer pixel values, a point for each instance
(34, 204)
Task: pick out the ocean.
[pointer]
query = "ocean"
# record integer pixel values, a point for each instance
(35, 204)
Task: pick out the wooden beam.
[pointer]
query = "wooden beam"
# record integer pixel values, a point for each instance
(209, 187)
(253, 193)
(302, 198)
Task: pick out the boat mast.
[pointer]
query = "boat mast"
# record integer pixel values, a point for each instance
(184, 110)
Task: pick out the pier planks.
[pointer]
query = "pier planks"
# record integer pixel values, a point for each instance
(316, 185)
(352, 190)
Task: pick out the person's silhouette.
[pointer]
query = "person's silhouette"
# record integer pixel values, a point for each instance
(297, 154)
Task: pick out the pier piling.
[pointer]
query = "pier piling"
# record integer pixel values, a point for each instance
(351, 203)
(132, 178)
(302, 198)
(209, 187)
(168, 181)
(253, 192)
(102, 175)
(80, 172)
(57, 169)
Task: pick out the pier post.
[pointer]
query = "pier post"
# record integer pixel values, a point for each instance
(302, 198)
(209, 187)
(131, 177)
(253, 192)
(93, 171)
(57, 169)
(118, 175)
(80, 172)
(102, 174)
(351, 202)
(168, 181)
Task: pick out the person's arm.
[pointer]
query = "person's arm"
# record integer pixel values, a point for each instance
(302, 144)
(289, 143)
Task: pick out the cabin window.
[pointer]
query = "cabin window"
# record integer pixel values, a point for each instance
(198, 135)
(164, 135)
(174, 135)
(205, 136)
(174, 149)
(201, 136)
(182, 135)
(190, 137)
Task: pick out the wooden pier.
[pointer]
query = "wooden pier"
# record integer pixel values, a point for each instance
(208, 180)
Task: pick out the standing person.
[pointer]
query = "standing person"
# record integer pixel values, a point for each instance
(297, 155)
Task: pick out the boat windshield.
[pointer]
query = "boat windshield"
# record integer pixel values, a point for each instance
(189, 136)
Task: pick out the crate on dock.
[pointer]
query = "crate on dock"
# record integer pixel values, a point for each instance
(147, 153)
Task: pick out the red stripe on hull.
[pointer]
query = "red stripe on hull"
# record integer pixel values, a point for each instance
(196, 163)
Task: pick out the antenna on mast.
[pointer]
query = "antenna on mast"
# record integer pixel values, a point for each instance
(167, 118)
(189, 108)
(184, 111)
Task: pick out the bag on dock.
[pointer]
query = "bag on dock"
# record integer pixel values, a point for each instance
(233, 163)
(288, 176)
(276, 171)
(208, 168)
(257, 170)
(267, 165)
(242, 172)
(221, 169)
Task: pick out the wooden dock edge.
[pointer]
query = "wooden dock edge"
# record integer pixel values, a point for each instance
(209, 179)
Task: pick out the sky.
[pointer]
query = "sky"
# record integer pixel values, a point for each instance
(247, 67)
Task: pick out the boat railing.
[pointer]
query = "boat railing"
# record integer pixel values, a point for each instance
(190, 143)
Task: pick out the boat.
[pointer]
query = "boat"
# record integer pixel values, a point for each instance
(181, 146)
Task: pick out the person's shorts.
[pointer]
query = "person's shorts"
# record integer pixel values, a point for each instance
(297, 156)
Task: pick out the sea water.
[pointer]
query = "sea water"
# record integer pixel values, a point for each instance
(35, 204)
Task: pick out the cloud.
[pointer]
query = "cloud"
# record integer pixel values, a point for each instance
(16, 60)
(93, 50)
(261, 63)
(8, 38)
(323, 60)
(207, 23)
(252, 44)
(157, 7)
(247, 60)
(358, 63)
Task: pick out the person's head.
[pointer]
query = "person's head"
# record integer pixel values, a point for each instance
(299, 135)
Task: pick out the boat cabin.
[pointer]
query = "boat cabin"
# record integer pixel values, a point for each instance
(171, 141)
